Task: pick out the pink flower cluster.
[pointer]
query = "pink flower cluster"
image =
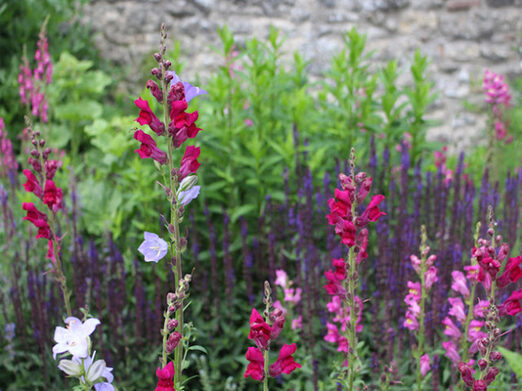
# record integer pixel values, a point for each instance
(497, 94)
(292, 296)
(489, 264)
(414, 295)
(31, 83)
(457, 315)
(263, 334)
(7, 157)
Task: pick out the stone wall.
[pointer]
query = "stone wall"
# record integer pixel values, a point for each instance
(461, 37)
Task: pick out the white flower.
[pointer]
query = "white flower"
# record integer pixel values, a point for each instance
(74, 338)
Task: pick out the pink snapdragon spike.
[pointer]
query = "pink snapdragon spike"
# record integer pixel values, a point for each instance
(497, 94)
(496, 90)
(165, 378)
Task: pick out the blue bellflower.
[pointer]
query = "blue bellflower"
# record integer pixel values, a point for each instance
(153, 247)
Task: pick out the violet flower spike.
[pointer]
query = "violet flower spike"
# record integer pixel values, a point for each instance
(190, 91)
(153, 247)
(74, 338)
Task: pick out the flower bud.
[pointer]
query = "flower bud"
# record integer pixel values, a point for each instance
(482, 363)
(172, 324)
(183, 242)
(35, 153)
(42, 143)
(174, 339)
(169, 77)
(167, 64)
(171, 297)
(187, 183)
(491, 375)
(491, 231)
(495, 356)
(70, 368)
(34, 142)
(95, 371)
(156, 72)
(157, 57)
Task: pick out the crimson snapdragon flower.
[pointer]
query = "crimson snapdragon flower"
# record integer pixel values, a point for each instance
(263, 335)
(148, 148)
(165, 377)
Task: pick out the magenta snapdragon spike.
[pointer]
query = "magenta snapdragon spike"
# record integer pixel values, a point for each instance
(263, 333)
(41, 184)
(170, 131)
(416, 301)
(490, 255)
(343, 280)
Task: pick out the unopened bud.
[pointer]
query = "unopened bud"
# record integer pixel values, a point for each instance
(35, 153)
(167, 64)
(172, 324)
(157, 57)
(171, 297)
(491, 231)
(174, 338)
(170, 227)
(42, 143)
(491, 375)
(34, 142)
(187, 183)
(96, 371)
(156, 72)
(482, 363)
(495, 356)
(183, 242)
(70, 368)
(169, 77)
(498, 239)
(497, 332)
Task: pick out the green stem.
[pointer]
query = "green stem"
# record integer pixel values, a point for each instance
(265, 379)
(59, 268)
(175, 240)
(352, 338)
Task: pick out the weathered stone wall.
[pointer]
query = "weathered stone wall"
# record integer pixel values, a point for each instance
(461, 37)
